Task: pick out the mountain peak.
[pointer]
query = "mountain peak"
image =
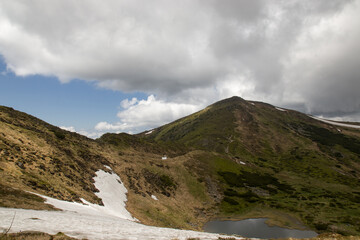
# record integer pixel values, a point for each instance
(231, 100)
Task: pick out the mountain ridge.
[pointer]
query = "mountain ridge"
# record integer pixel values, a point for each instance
(234, 159)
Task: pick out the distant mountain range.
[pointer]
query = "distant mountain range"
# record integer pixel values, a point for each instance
(234, 159)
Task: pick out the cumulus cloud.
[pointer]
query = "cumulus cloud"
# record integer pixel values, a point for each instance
(70, 129)
(147, 114)
(90, 134)
(191, 53)
(127, 45)
(128, 103)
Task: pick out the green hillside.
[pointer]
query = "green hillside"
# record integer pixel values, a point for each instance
(275, 162)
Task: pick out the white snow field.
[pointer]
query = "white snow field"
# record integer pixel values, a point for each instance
(336, 123)
(91, 221)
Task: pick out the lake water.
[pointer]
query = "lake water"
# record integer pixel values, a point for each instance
(255, 228)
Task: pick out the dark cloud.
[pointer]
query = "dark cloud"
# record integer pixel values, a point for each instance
(240, 10)
(326, 70)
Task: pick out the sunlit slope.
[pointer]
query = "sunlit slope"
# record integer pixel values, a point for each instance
(38, 157)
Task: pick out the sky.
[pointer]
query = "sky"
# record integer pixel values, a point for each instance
(128, 65)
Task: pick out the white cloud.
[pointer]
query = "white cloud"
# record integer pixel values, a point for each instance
(101, 126)
(88, 133)
(70, 129)
(91, 134)
(127, 45)
(128, 103)
(147, 114)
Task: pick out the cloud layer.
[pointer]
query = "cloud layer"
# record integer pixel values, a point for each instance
(191, 53)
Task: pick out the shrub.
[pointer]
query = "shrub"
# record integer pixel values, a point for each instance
(230, 201)
(321, 226)
(59, 134)
(231, 193)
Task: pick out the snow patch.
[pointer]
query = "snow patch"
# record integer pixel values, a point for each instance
(280, 109)
(149, 132)
(336, 123)
(154, 197)
(112, 193)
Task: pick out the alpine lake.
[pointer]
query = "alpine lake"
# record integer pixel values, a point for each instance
(255, 228)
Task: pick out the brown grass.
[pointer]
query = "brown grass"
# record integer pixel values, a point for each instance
(37, 157)
(179, 210)
(35, 236)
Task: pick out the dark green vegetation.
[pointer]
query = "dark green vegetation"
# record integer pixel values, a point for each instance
(328, 138)
(235, 159)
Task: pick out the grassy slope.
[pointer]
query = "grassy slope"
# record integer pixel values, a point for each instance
(182, 199)
(296, 167)
(38, 157)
